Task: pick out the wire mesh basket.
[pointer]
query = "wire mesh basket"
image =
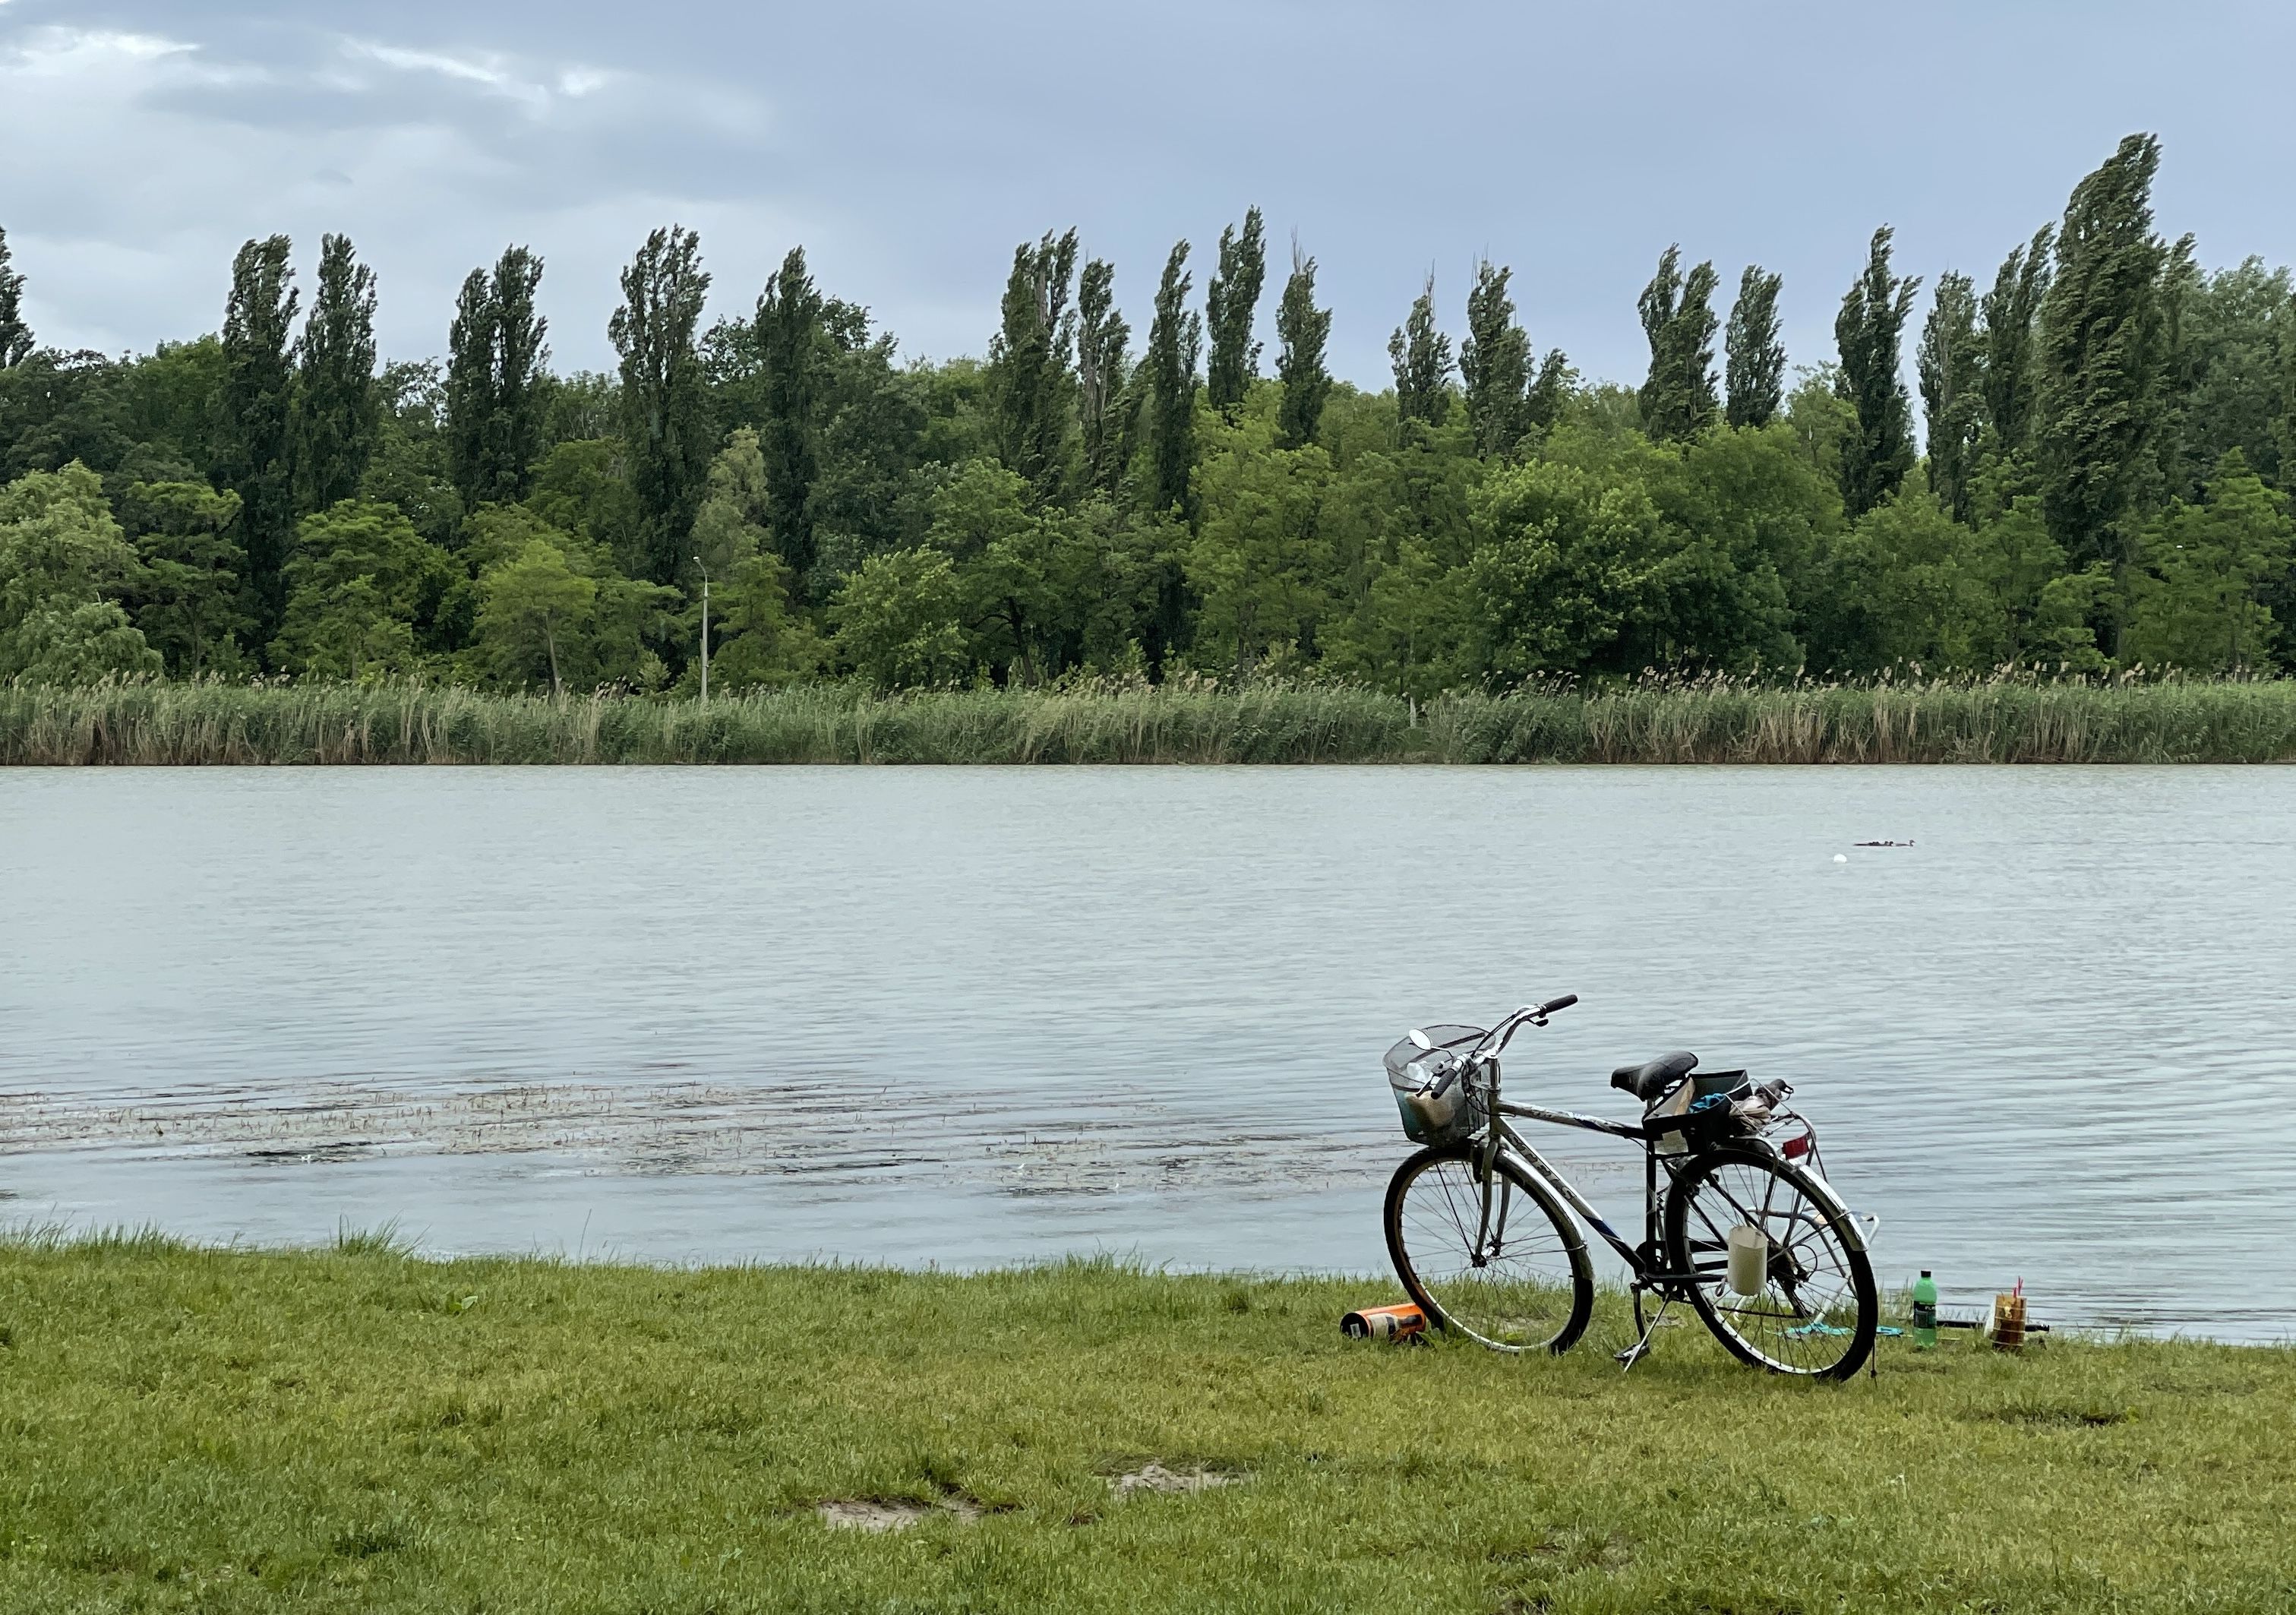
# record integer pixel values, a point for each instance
(1434, 1087)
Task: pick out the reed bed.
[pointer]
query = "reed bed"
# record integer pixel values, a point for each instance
(1716, 721)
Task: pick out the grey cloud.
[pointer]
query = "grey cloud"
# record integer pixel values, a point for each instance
(909, 145)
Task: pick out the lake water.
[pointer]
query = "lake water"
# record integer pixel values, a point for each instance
(975, 1016)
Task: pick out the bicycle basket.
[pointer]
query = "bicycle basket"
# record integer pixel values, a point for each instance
(1431, 1087)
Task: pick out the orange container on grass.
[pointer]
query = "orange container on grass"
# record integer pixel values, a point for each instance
(1384, 1323)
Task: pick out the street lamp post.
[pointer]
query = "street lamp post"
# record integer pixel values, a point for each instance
(705, 629)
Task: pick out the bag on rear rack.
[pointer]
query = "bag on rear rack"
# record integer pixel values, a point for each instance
(1432, 1086)
(1702, 1124)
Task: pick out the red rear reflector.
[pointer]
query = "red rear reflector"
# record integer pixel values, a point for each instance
(1796, 1147)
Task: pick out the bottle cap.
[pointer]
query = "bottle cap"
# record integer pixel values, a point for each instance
(1925, 1273)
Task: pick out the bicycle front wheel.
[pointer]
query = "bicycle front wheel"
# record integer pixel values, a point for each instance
(1811, 1309)
(1515, 1277)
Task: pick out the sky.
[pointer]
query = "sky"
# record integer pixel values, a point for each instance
(909, 146)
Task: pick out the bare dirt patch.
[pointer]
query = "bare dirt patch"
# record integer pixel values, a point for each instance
(892, 1514)
(1155, 1478)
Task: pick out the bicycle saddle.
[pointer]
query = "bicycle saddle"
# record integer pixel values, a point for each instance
(1653, 1077)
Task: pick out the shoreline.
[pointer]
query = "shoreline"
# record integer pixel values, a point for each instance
(2009, 722)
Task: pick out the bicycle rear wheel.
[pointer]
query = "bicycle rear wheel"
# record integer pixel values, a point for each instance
(1816, 1310)
(1521, 1282)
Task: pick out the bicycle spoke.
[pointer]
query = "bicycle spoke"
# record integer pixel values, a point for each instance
(1510, 1281)
(1808, 1282)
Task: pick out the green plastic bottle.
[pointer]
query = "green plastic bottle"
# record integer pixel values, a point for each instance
(1924, 1312)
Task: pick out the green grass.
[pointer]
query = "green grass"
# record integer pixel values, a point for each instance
(357, 1429)
(2001, 720)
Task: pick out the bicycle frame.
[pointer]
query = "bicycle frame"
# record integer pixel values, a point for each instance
(1643, 1260)
(1646, 1260)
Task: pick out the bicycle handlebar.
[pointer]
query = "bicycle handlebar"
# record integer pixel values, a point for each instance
(1528, 1015)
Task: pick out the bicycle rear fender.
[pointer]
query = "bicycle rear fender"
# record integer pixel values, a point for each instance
(1853, 1235)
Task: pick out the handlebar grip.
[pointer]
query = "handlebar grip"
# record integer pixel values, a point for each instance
(1563, 1003)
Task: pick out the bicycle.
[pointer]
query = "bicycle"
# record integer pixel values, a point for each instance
(1739, 1221)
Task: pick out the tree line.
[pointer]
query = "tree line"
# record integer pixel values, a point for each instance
(2098, 478)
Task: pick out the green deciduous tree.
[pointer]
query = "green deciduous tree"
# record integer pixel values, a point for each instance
(2040, 611)
(2231, 385)
(665, 414)
(1012, 567)
(1869, 333)
(1495, 364)
(1230, 302)
(579, 489)
(1105, 407)
(58, 407)
(2199, 604)
(1304, 330)
(1259, 558)
(359, 577)
(63, 564)
(188, 598)
(1755, 358)
(1563, 562)
(731, 524)
(15, 332)
(533, 602)
(896, 620)
(1030, 380)
(1949, 362)
(338, 410)
(254, 420)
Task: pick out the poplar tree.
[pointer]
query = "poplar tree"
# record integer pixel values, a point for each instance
(2009, 312)
(1029, 368)
(15, 334)
(2284, 425)
(1103, 338)
(1422, 357)
(2098, 352)
(1755, 358)
(254, 442)
(1495, 364)
(665, 417)
(470, 391)
(1949, 361)
(1678, 399)
(1230, 304)
(1174, 344)
(521, 359)
(1303, 329)
(1869, 333)
(497, 357)
(338, 409)
(1543, 405)
(792, 343)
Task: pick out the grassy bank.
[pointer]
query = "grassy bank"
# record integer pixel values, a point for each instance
(356, 1429)
(2003, 722)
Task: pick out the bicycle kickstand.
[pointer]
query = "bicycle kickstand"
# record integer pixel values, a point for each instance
(1641, 1348)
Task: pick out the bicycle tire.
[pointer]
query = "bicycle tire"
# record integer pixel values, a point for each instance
(1432, 1211)
(1803, 1336)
